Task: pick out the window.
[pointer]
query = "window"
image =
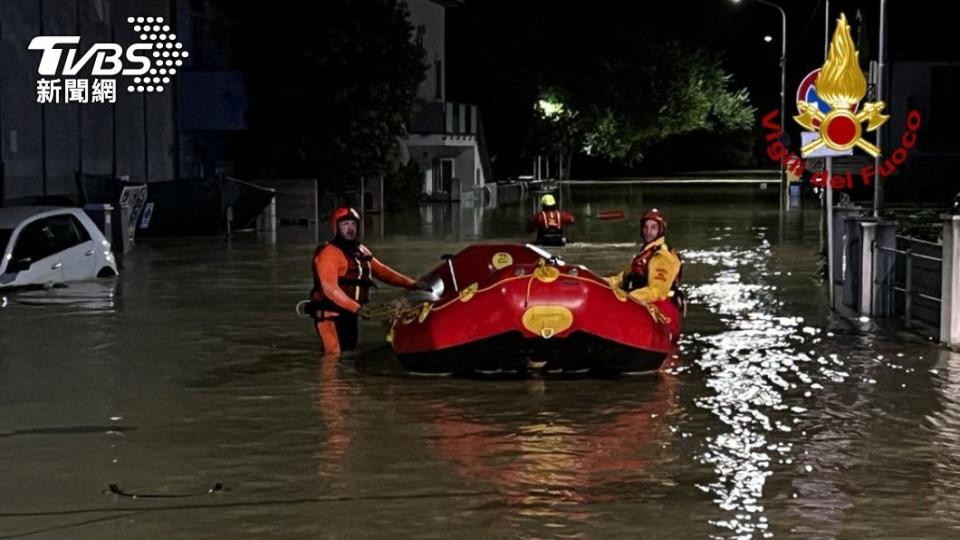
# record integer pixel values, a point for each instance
(44, 237)
(82, 232)
(4, 238)
(35, 242)
(438, 74)
(66, 231)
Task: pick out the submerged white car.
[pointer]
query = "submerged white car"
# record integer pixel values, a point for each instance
(46, 245)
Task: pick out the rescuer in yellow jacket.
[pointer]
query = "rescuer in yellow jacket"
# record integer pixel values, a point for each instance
(653, 274)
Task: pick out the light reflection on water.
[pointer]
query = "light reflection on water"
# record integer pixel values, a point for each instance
(87, 297)
(749, 367)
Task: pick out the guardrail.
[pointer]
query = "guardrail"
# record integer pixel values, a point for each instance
(889, 284)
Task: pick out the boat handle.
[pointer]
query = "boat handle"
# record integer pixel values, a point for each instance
(56, 266)
(89, 252)
(453, 274)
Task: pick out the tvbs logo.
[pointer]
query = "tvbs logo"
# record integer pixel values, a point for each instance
(151, 63)
(106, 57)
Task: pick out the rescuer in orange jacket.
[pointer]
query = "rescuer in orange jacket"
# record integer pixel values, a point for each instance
(653, 274)
(549, 222)
(343, 269)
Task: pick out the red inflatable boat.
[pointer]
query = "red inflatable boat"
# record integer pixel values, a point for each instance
(517, 308)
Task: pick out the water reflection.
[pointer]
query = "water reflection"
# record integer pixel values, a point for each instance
(333, 405)
(546, 457)
(85, 296)
(750, 367)
(460, 221)
(945, 424)
(552, 451)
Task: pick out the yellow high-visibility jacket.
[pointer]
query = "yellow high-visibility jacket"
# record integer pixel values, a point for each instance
(661, 267)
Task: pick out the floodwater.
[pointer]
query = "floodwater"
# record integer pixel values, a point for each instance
(778, 418)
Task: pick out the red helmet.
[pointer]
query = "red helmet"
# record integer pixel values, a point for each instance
(343, 213)
(655, 215)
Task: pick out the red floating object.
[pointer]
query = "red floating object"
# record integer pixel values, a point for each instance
(610, 214)
(517, 308)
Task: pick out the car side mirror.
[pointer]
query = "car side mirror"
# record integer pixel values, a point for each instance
(19, 265)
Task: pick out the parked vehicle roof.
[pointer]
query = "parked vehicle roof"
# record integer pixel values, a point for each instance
(11, 216)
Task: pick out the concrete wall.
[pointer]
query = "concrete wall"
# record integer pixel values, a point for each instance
(96, 120)
(145, 127)
(20, 115)
(42, 145)
(61, 120)
(431, 17)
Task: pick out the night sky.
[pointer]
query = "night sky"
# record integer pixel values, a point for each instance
(529, 36)
(917, 30)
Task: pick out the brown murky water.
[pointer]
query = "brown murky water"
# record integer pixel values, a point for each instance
(191, 369)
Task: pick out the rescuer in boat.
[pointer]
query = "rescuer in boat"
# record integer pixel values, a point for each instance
(549, 222)
(653, 274)
(342, 272)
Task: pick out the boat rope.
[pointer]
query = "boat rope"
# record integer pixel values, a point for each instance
(655, 313)
(383, 312)
(526, 297)
(478, 291)
(386, 312)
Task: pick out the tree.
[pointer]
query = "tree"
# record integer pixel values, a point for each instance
(556, 132)
(331, 85)
(674, 90)
(629, 76)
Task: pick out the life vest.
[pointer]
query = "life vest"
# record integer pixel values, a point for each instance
(637, 277)
(355, 283)
(550, 220)
(550, 229)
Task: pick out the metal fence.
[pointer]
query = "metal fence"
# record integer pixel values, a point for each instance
(912, 283)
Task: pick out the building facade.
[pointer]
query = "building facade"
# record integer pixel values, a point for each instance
(179, 132)
(444, 137)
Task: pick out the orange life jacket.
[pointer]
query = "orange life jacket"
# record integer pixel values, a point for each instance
(355, 283)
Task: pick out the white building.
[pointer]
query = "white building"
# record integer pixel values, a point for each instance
(445, 138)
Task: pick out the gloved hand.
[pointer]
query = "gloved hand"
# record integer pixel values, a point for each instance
(614, 281)
(421, 285)
(363, 312)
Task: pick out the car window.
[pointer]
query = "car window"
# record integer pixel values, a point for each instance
(64, 229)
(4, 238)
(47, 236)
(35, 242)
(82, 232)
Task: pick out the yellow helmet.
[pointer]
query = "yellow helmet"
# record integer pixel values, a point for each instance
(548, 200)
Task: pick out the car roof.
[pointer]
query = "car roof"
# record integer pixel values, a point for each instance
(11, 216)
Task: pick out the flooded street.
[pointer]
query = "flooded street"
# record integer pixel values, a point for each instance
(779, 419)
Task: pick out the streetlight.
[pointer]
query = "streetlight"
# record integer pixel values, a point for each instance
(784, 188)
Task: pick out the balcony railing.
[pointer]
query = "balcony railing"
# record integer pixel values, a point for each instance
(440, 117)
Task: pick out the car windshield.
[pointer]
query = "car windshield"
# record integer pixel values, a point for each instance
(4, 238)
